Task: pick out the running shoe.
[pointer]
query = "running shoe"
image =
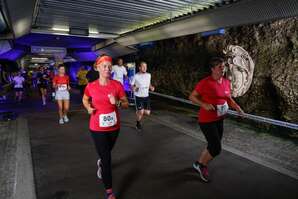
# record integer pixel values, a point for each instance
(110, 196)
(203, 171)
(99, 169)
(61, 121)
(65, 118)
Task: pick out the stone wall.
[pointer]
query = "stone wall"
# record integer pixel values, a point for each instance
(177, 64)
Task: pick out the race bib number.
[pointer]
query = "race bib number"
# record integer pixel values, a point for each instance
(108, 120)
(62, 87)
(18, 86)
(144, 88)
(222, 109)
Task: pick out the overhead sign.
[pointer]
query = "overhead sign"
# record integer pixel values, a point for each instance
(48, 50)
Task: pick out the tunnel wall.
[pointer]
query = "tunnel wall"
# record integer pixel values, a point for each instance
(177, 64)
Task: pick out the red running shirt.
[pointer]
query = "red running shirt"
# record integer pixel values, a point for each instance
(106, 117)
(61, 79)
(213, 93)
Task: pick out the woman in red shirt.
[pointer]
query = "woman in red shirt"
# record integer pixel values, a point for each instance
(213, 95)
(106, 96)
(62, 87)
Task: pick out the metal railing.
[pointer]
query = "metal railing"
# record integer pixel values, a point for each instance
(234, 113)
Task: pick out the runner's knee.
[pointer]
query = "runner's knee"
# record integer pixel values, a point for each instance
(141, 112)
(214, 148)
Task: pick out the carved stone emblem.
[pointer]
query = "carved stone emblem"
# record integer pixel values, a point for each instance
(240, 69)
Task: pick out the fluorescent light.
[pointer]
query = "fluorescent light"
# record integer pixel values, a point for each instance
(92, 35)
(103, 35)
(93, 32)
(60, 29)
(39, 58)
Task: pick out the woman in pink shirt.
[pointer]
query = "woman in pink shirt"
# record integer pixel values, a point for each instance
(106, 96)
(213, 95)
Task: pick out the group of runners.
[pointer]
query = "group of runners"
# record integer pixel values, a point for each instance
(46, 82)
(103, 97)
(23, 82)
(105, 94)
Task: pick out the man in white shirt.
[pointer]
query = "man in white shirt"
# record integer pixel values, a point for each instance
(141, 84)
(18, 82)
(119, 71)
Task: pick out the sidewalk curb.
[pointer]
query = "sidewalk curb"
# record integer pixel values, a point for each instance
(24, 186)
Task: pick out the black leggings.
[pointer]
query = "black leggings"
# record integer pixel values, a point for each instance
(213, 133)
(104, 143)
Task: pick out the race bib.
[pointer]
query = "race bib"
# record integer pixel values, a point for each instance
(222, 109)
(108, 120)
(144, 88)
(18, 86)
(62, 87)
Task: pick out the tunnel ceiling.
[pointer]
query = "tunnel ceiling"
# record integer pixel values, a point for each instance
(78, 46)
(114, 16)
(130, 22)
(33, 39)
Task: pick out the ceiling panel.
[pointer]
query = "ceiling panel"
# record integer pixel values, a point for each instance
(114, 16)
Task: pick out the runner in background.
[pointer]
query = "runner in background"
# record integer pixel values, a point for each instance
(92, 74)
(119, 71)
(141, 83)
(82, 79)
(62, 87)
(18, 82)
(43, 83)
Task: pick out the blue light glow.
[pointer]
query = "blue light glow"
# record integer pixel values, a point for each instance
(12, 55)
(220, 31)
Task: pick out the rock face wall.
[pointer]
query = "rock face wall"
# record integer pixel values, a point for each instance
(177, 64)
